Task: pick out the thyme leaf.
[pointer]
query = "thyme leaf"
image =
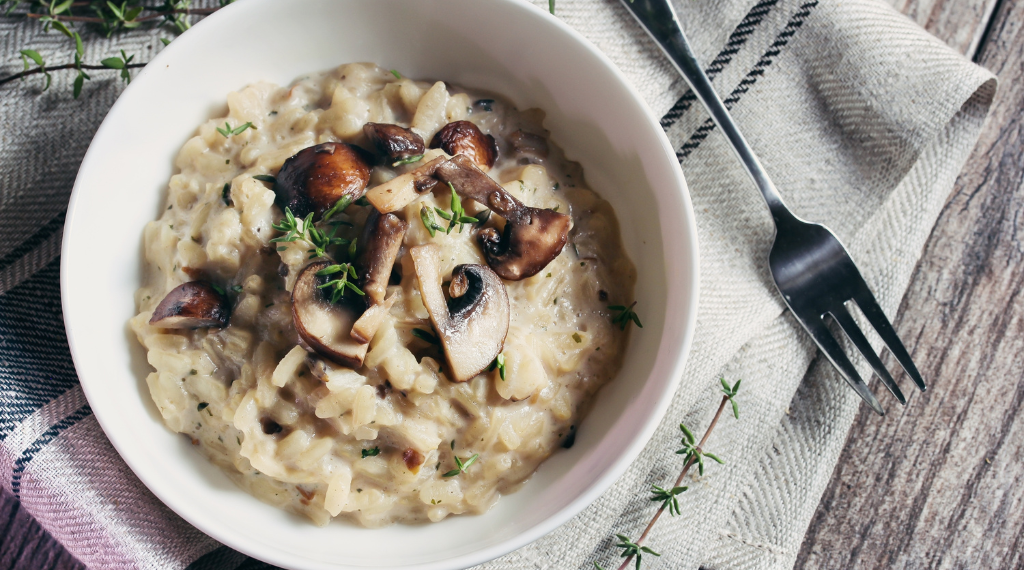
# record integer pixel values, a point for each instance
(625, 316)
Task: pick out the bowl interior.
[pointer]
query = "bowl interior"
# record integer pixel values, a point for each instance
(504, 46)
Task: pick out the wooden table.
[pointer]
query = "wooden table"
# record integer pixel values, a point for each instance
(939, 484)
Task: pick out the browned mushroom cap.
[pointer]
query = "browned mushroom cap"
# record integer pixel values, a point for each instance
(394, 141)
(318, 176)
(381, 240)
(473, 324)
(192, 305)
(326, 327)
(463, 137)
(532, 237)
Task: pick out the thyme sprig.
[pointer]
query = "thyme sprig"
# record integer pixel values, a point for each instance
(693, 452)
(625, 316)
(426, 337)
(103, 16)
(227, 131)
(630, 550)
(730, 393)
(458, 216)
(340, 284)
(669, 497)
(294, 228)
(297, 228)
(461, 466)
(408, 160)
(429, 222)
(499, 363)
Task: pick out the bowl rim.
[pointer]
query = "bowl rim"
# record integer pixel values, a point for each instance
(599, 486)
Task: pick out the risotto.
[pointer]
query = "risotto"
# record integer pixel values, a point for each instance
(379, 299)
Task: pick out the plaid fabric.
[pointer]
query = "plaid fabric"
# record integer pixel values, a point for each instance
(862, 119)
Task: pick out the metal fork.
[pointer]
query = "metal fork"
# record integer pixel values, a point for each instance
(812, 270)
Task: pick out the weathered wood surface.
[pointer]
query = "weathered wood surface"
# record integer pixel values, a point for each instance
(940, 484)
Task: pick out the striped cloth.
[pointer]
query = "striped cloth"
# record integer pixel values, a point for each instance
(862, 119)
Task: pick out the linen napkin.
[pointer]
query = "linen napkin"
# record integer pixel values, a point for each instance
(862, 119)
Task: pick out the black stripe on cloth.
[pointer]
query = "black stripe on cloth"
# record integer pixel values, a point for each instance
(42, 441)
(737, 38)
(35, 363)
(41, 235)
(751, 78)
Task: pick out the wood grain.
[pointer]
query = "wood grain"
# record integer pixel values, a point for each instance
(941, 485)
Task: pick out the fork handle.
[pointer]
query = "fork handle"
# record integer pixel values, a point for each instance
(659, 19)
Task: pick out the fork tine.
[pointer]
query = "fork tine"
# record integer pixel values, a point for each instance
(868, 305)
(845, 320)
(827, 343)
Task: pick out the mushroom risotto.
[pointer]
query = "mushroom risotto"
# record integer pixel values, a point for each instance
(377, 298)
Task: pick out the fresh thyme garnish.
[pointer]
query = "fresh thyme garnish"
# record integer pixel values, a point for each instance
(425, 336)
(551, 7)
(217, 288)
(668, 497)
(321, 240)
(408, 160)
(458, 216)
(236, 288)
(338, 206)
(27, 54)
(576, 337)
(227, 131)
(293, 227)
(429, 222)
(499, 363)
(396, 74)
(692, 451)
(461, 466)
(371, 452)
(263, 177)
(632, 549)
(103, 16)
(362, 202)
(730, 394)
(123, 63)
(225, 194)
(340, 284)
(626, 314)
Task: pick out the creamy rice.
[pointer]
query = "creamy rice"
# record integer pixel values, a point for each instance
(324, 440)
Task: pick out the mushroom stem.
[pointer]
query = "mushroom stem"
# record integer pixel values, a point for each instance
(532, 237)
(382, 238)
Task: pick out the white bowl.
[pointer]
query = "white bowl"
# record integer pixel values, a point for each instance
(505, 46)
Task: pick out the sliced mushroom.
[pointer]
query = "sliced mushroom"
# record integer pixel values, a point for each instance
(398, 192)
(192, 305)
(473, 324)
(381, 240)
(316, 177)
(532, 236)
(325, 327)
(463, 137)
(528, 147)
(367, 324)
(394, 141)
